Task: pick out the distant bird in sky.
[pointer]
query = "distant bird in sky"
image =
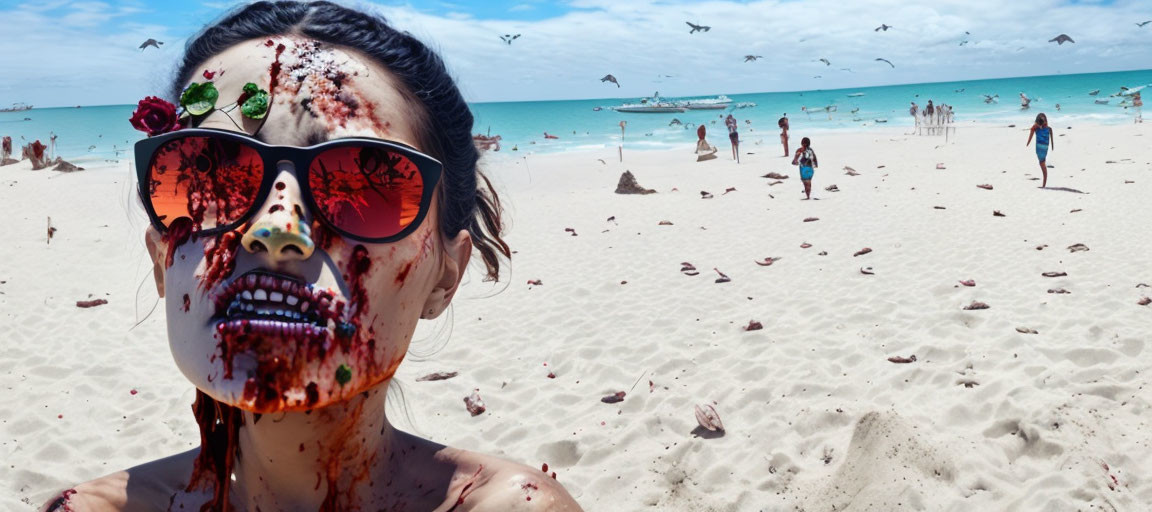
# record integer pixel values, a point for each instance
(1061, 39)
(151, 42)
(817, 76)
(883, 27)
(885, 60)
(825, 61)
(697, 28)
(610, 78)
(508, 38)
(846, 69)
(752, 58)
(1142, 23)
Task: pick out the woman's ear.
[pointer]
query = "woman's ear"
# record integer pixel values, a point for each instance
(158, 251)
(457, 252)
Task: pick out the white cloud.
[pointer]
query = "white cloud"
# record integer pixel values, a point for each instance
(521, 8)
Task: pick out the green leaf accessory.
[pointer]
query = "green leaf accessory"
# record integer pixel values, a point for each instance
(199, 99)
(343, 374)
(255, 102)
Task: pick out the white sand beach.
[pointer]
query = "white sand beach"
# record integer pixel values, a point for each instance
(817, 418)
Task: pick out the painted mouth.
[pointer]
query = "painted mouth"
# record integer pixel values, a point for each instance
(269, 304)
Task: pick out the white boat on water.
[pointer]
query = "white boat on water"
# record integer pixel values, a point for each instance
(650, 109)
(718, 103)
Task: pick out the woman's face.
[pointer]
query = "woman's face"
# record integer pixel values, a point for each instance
(340, 313)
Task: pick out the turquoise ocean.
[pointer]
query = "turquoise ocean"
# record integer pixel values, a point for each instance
(95, 134)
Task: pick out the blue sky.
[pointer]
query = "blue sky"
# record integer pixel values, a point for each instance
(63, 52)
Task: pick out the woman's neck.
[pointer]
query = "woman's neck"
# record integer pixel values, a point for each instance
(312, 460)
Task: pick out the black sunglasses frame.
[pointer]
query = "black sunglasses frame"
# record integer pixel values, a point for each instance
(301, 157)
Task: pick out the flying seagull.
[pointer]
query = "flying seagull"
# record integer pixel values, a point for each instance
(697, 28)
(825, 61)
(846, 69)
(508, 38)
(752, 58)
(1061, 39)
(883, 27)
(151, 42)
(1142, 23)
(610, 78)
(817, 76)
(886, 60)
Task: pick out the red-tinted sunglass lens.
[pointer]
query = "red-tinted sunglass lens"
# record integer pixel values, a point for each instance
(211, 181)
(366, 191)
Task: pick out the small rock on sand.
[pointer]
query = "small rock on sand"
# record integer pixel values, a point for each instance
(628, 185)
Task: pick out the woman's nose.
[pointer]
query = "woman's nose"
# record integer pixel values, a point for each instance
(278, 229)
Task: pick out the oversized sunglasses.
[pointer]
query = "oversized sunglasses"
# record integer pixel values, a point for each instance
(366, 189)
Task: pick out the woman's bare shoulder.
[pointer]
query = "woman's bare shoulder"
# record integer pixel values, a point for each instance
(486, 483)
(148, 486)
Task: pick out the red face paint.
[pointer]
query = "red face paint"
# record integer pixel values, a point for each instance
(178, 233)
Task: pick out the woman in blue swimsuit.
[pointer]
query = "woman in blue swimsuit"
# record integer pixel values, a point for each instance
(1044, 141)
(806, 159)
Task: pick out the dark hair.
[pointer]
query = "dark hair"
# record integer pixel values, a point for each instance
(805, 142)
(1041, 119)
(446, 131)
(782, 121)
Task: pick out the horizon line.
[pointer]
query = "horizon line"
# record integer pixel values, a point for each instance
(706, 94)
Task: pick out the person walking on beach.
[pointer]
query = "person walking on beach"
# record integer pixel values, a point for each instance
(1138, 103)
(1044, 140)
(806, 159)
(783, 124)
(733, 136)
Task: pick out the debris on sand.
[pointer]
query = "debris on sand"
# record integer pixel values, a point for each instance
(1054, 274)
(90, 303)
(535, 282)
(1077, 248)
(902, 359)
(729, 189)
(51, 231)
(767, 261)
(570, 230)
(862, 252)
(665, 223)
(996, 213)
(628, 185)
(753, 326)
(832, 188)
(474, 403)
(614, 397)
(708, 418)
(704, 194)
(1026, 330)
(1058, 291)
(723, 277)
(811, 219)
(66, 166)
(1144, 301)
(805, 245)
(968, 282)
(775, 176)
(688, 269)
(940, 166)
(850, 171)
(984, 186)
(437, 376)
(867, 271)
(976, 306)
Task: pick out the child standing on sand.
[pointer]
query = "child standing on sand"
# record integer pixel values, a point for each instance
(806, 159)
(1044, 140)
